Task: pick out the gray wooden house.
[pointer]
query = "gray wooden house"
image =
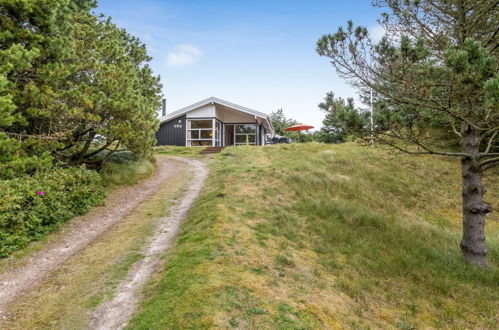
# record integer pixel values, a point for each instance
(213, 122)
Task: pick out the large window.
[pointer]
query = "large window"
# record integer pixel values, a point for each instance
(199, 132)
(203, 132)
(245, 134)
(201, 124)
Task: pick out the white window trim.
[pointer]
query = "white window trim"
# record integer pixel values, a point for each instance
(199, 131)
(246, 134)
(217, 123)
(213, 139)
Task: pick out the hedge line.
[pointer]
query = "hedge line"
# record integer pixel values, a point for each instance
(33, 206)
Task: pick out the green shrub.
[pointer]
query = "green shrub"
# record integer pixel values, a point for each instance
(33, 206)
(120, 157)
(123, 157)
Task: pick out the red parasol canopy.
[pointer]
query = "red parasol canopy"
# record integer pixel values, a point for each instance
(299, 127)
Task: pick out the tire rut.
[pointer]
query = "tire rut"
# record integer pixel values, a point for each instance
(115, 314)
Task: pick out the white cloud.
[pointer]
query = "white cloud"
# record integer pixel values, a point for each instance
(184, 55)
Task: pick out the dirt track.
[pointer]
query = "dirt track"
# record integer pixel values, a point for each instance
(115, 314)
(81, 231)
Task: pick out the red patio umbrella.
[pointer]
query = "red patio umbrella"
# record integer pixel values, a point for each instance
(299, 127)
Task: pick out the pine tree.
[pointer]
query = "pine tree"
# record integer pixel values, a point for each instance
(342, 121)
(72, 85)
(436, 65)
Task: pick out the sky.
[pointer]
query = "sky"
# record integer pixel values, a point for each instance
(258, 54)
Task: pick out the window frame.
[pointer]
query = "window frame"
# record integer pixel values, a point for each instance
(215, 123)
(254, 134)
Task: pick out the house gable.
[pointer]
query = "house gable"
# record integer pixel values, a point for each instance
(205, 111)
(229, 115)
(217, 108)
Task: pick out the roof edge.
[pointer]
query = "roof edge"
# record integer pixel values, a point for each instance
(212, 99)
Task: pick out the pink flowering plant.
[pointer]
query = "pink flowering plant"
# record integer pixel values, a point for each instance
(35, 205)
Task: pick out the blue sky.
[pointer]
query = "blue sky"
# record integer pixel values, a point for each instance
(259, 54)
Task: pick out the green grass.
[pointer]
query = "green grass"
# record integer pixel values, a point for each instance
(309, 236)
(127, 173)
(189, 152)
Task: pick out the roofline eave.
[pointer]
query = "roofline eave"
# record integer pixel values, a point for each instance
(209, 100)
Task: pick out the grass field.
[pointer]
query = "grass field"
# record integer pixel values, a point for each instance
(314, 236)
(123, 171)
(178, 151)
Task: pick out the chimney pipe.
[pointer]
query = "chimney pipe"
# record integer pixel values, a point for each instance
(163, 112)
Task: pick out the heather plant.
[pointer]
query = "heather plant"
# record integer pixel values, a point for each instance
(33, 206)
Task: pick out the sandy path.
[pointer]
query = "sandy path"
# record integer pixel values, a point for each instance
(114, 314)
(81, 231)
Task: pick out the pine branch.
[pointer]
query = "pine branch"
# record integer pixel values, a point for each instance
(491, 142)
(95, 152)
(489, 163)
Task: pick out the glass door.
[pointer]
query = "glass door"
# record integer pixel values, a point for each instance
(229, 135)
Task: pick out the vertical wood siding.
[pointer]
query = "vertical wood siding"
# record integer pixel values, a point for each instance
(172, 132)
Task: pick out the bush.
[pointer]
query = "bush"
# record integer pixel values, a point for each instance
(33, 206)
(121, 156)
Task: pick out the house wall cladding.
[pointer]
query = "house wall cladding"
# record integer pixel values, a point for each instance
(172, 132)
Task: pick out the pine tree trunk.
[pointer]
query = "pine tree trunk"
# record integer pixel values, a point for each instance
(475, 209)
